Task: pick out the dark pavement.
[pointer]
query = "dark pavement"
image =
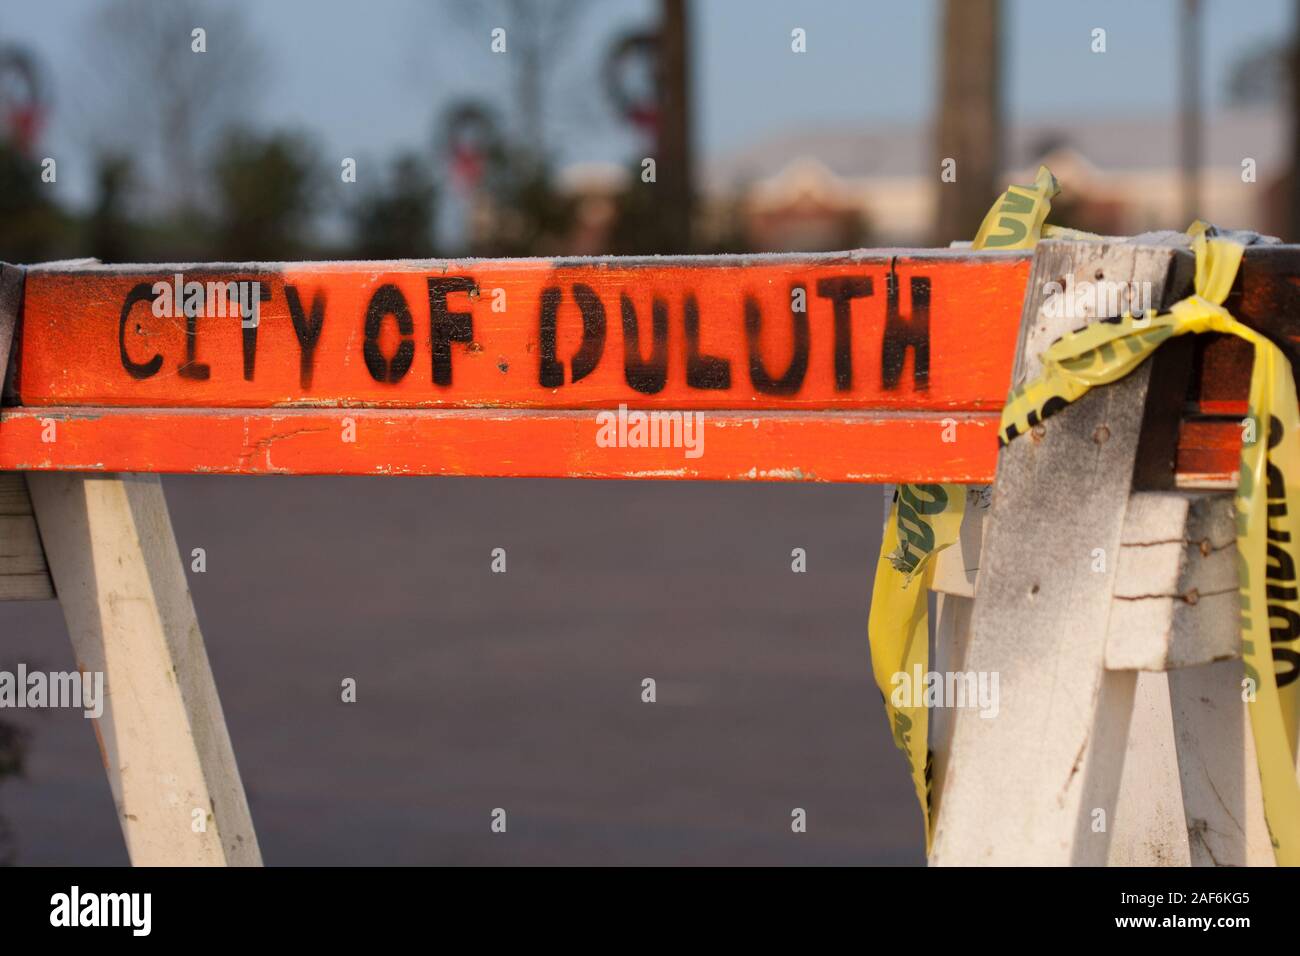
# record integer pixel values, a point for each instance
(519, 690)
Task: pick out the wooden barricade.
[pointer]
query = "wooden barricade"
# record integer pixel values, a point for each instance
(867, 366)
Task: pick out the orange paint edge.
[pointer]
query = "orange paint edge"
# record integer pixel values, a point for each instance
(737, 446)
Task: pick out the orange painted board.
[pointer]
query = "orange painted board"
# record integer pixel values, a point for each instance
(737, 446)
(902, 331)
(1209, 452)
(505, 368)
(761, 446)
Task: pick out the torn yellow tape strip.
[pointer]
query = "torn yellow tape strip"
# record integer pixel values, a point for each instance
(1267, 500)
(923, 520)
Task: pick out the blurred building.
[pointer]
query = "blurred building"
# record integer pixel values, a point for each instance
(596, 187)
(838, 189)
(816, 190)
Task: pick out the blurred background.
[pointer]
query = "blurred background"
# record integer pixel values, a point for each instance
(773, 126)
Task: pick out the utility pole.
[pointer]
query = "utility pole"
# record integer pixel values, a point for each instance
(674, 126)
(1189, 92)
(970, 115)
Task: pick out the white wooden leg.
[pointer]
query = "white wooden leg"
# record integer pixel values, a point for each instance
(1022, 788)
(1189, 785)
(951, 633)
(1148, 828)
(956, 571)
(1216, 761)
(112, 553)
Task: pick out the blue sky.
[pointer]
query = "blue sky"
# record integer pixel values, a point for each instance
(368, 77)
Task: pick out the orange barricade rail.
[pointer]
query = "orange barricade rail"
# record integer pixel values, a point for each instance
(868, 366)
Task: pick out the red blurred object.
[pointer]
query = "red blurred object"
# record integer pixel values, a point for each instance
(25, 124)
(21, 97)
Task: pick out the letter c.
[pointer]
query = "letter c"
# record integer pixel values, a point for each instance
(140, 293)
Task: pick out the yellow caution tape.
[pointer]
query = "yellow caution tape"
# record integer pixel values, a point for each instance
(1016, 219)
(1267, 500)
(923, 520)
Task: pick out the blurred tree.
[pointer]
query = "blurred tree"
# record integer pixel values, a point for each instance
(640, 226)
(109, 230)
(536, 35)
(522, 213)
(151, 94)
(395, 220)
(34, 227)
(517, 209)
(264, 188)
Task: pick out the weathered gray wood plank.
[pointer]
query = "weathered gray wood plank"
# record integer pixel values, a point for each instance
(14, 499)
(1175, 587)
(1223, 805)
(1176, 599)
(1022, 787)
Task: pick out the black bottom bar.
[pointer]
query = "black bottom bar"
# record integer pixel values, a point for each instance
(887, 907)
